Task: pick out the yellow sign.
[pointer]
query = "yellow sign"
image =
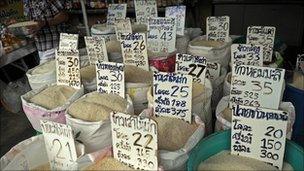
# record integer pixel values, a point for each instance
(11, 9)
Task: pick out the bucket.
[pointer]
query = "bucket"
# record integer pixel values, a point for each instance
(220, 141)
(162, 62)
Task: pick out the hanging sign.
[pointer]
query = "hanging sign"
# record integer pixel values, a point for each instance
(213, 70)
(96, 48)
(259, 133)
(178, 12)
(68, 42)
(68, 68)
(135, 146)
(110, 78)
(218, 28)
(116, 11)
(172, 95)
(145, 10)
(256, 86)
(262, 35)
(243, 54)
(134, 50)
(122, 26)
(161, 35)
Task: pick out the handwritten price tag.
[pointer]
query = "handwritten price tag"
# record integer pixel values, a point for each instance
(243, 54)
(256, 86)
(60, 145)
(178, 12)
(68, 68)
(162, 34)
(134, 50)
(218, 28)
(172, 95)
(68, 42)
(262, 35)
(134, 145)
(259, 133)
(116, 11)
(122, 26)
(300, 63)
(145, 10)
(191, 65)
(96, 48)
(110, 78)
(213, 70)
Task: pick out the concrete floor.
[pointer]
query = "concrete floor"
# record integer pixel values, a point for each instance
(14, 129)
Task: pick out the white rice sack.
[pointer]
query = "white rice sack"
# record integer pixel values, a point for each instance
(224, 115)
(89, 118)
(217, 85)
(88, 78)
(227, 84)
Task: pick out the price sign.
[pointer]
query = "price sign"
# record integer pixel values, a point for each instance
(145, 10)
(172, 95)
(133, 145)
(110, 78)
(259, 133)
(68, 42)
(191, 65)
(300, 63)
(213, 70)
(134, 50)
(256, 86)
(218, 28)
(68, 68)
(116, 11)
(262, 35)
(243, 54)
(162, 34)
(60, 145)
(122, 26)
(96, 48)
(178, 12)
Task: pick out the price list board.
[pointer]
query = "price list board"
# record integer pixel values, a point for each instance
(96, 49)
(116, 11)
(134, 145)
(145, 10)
(259, 133)
(68, 42)
(218, 28)
(178, 12)
(243, 54)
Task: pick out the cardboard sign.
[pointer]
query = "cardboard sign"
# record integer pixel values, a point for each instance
(110, 78)
(172, 95)
(243, 54)
(145, 10)
(68, 68)
(191, 65)
(162, 34)
(213, 70)
(300, 63)
(259, 133)
(60, 145)
(134, 50)
(134, 145)
(262, 35)
(178, 12)
(256, 86)
(68, 42)
(218, 28)
(96, 48)
(116, 11)
(122, 26)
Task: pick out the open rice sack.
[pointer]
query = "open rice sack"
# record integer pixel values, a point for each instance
(88, 78)
(176, 138)
(89, 118)
(114, 51)
(224, 115)
(201, 102)
(164, 62)
(48, 103)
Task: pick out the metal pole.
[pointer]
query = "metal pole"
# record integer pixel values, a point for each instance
(85, 17)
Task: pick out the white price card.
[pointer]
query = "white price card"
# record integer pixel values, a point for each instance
(134, 50)
(161, 35)
(300, 63)
(218, 28)
(213, 70)
(256, 86)
(191, 65)
(134, 145)
(110, 78)
(122, 26)
(68, 68)
(259, 133)
(96, 49)
(144, 10)
(262, 35)
(178, 12)
(172, 95)
(116, 11)
(60, 145)
(68, 42)
(243, 54)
